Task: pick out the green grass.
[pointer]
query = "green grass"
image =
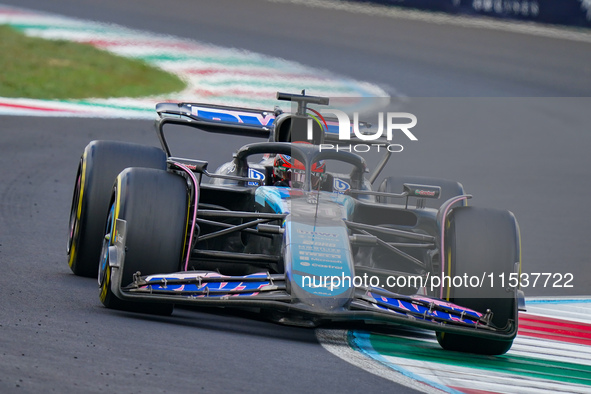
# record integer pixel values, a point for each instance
(49, 69)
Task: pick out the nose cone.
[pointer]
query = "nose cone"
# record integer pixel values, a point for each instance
(319, 264)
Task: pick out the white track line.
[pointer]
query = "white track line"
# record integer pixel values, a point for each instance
(530, 28)
(215, 75)
(335, 342)
(440, 375)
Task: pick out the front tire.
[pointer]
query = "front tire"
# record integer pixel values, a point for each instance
(480, 241)
(100, 164)
(154, 205)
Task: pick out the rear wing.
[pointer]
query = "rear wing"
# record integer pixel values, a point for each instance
(214, 119)
(222, 119)
(256, 123)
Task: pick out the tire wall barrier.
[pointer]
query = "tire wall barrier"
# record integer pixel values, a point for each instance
(564, 12)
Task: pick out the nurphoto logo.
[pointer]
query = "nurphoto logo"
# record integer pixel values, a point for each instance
(392, 122)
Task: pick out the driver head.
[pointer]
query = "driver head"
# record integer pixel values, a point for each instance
(291, 172)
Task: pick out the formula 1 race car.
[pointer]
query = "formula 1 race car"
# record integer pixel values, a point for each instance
(293, 230)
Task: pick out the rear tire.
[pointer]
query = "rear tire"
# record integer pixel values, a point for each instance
(449, 189)
(100, 164)
(477, 241)
(154, 205)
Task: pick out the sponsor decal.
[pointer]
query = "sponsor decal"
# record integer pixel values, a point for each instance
(426, 193)
(320, 233)
(262, 119)
(256, 174)
(340, 186)
(422, 190)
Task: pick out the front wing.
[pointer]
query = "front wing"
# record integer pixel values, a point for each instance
(270, 291)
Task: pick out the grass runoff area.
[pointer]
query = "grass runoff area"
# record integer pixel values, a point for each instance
(50, 69)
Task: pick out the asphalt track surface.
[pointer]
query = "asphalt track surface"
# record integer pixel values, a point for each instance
(55, 335)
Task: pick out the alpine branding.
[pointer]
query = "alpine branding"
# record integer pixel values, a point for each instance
(255, 174)
(340, 186)
(264, 119)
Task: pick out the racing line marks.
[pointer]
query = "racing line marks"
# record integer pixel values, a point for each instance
(335, 342)
(551, 354)
(213, 74)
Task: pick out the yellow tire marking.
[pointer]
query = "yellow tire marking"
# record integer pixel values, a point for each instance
(106, 284)
(107, 275)
(78, 211)
(117, 205)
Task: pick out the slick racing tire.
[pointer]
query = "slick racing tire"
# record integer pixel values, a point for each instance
(449, 189)
(154, 204)
(100, 164)
(484, 243)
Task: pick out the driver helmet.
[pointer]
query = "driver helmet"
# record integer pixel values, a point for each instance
(292, 173)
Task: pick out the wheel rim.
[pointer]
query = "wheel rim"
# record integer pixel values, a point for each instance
(106, 243)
